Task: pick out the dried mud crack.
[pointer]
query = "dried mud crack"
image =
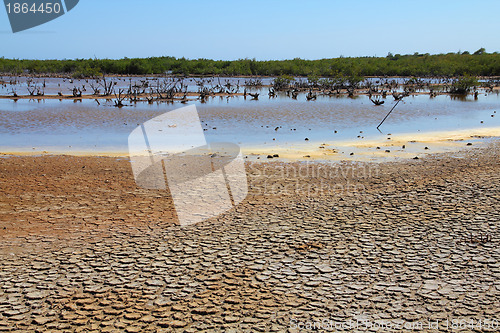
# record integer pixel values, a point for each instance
(83, 249)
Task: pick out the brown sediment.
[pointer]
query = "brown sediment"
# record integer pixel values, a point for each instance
(63, 195)
(83, 248)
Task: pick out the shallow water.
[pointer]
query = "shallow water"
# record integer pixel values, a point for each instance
(83, 125)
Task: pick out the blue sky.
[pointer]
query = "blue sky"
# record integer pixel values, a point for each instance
(257, 29)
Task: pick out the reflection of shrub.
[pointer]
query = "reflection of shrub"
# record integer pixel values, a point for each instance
(463, 85)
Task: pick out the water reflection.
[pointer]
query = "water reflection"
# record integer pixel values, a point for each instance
(97, 125)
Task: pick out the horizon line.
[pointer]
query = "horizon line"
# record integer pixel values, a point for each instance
(465, 52)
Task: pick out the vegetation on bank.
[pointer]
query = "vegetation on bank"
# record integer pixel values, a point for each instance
(480, 63)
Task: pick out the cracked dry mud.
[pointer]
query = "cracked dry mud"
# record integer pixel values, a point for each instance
(83, 249)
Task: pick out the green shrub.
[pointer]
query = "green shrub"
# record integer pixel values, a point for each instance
(480, 63)
(282, 82)
(463, 85)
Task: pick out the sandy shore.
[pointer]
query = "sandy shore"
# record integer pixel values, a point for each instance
(390, 147)
(84, 249)
(400, 146)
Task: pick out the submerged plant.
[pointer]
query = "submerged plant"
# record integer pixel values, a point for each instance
(463, 85)
(282, 82)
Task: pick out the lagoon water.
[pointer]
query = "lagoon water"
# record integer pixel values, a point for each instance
(85, 126)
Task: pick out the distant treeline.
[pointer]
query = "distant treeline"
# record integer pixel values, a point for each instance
(479, 63)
